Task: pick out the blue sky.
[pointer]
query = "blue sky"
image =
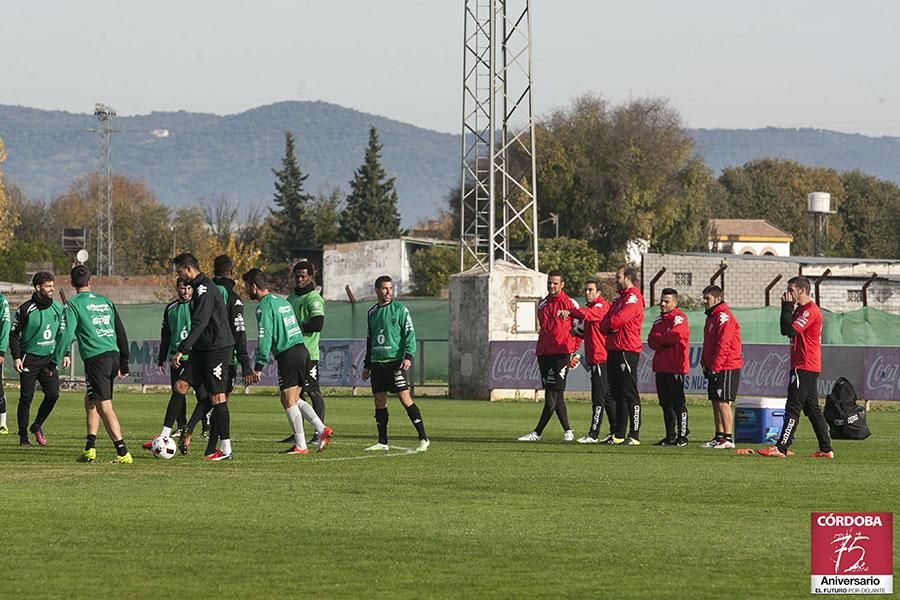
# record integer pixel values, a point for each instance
(825, 64)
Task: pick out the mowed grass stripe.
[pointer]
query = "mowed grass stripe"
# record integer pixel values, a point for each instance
(479, 513)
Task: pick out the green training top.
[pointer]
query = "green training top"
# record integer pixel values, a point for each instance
(36, 329)
(176, 325)
(91, 320)
(278, 328)
(306, 306)
(4, 324)
(391, 334)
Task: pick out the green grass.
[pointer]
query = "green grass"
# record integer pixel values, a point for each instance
(478, 514)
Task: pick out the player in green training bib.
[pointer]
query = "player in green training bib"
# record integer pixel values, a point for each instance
(92, 321)
(4, 344)
(390, 348)
(309, 306)
(280, 335)
(32, 339)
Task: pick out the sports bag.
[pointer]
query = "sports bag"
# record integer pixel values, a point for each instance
(846, 419)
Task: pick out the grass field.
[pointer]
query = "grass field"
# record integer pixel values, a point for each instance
(478, 514)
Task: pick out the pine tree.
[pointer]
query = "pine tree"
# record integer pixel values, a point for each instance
(291, 229)
(371, 210)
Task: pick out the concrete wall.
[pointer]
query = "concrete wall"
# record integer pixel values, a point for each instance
(358, 264)
(746, 279)
(482, 310)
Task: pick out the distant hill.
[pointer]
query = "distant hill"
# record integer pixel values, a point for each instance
(206, 155)
(194, 155)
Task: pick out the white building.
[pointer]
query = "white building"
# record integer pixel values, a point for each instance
(755, 237)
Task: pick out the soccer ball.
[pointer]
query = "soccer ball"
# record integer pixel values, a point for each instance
(578, 328)
(164, 447)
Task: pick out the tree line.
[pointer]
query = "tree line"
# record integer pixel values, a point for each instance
(611, 173)
(147, 233)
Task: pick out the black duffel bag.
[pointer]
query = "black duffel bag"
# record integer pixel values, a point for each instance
(846, 419)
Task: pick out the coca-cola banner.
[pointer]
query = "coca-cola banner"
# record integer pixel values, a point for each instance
(873, 371)
(340, 363)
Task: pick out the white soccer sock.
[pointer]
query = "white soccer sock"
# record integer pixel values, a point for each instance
(296, 421)
(2, 419)
(165, 432)
(310, 415)
(225, 447)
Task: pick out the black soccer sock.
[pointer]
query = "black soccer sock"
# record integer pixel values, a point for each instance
(416, 417)
(720, 435)
(546, 412)
(223, 421)
(318, 403)
(213, 437)
(200, 410)
(2, 400)
(121, 450)
(174, 408)
(91, 442)
(562, 411)
(381, 421)
(728, 436)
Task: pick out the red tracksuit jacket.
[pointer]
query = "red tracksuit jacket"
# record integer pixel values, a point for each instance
(669, 337)
(555, 336)
(721, 341)
(622, 324)
(594, 339)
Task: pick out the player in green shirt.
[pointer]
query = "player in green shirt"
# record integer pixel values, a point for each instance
(309, 306)
(31, 343)
(4, 344)
(390, 348)
(279, 333)
(92, 321)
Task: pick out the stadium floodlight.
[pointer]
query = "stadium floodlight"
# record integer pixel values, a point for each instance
(103, 112)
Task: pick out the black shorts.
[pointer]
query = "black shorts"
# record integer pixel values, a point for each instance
(388, 377)
(312, 376)
(554, 369)
(293, 365)
(211, 369)
(99, 373)
(182, 373)
(723, 386)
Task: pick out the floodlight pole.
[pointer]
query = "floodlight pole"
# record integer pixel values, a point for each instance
(105, 263)
(498, 199)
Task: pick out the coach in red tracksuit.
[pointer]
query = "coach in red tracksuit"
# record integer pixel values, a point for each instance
(595, 354)
(669, 338)
(721, 361)
(622, 326)
(555, 346)
(801, 321)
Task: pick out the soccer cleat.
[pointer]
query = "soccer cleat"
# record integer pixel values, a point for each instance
(314, 440)
(87, 456)
(724, 444)
(177, 433)
(745, 451)
(681, 442)
(377, 446)
(423, 445)
(664, 442)
(324, 439)
(39, 436)
(288, 440)
(771, 451)
(569, 436)
(530, 437)
(24, 442)
(614, 440)
(217, 456)
(123, 460)
(4, 430)
(632, 442)
(711, 443)
(148, 445)
(295, 450)
(820, 454)
(587, 440)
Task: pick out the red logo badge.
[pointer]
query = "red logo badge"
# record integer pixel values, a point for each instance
(852, 553)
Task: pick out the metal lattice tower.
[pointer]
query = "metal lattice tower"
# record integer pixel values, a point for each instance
(498, 195)
(105, 264)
